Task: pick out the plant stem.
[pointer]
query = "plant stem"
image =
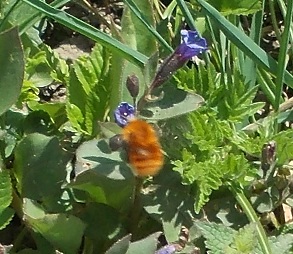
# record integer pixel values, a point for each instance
(136, 206)
(274, 19)
(252, 217)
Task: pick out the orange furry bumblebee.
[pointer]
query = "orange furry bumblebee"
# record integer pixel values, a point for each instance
(143, 147)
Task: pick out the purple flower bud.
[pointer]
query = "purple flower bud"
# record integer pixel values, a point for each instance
(132, 84)
(123, 113)
(192, 45)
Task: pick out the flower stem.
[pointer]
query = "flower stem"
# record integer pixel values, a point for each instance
(136, 206)
(252, 217)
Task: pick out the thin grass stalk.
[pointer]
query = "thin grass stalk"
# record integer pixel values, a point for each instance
(282, 55)
(274, 19)
(282, 7)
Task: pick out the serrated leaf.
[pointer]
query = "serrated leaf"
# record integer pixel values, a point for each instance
(175, 102)
(282, 244)
(45, 67)
(5, 190)
(88, 94)
(236, 7)
(284, 146)
(12, 68)
(244, 240)
(218, 237)
(6, 216)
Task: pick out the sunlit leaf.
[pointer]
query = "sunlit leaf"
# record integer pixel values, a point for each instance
(12, 68)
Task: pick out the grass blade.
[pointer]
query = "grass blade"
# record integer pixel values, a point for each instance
(244, 43)
(282, 54)
(91, 32)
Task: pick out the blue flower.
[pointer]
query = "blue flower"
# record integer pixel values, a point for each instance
(123, 113)
(192, 45)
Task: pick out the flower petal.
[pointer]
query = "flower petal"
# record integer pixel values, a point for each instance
(123, 113)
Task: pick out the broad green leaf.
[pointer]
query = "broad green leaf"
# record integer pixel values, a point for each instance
(244, 42)
(12, 68)
(121, 246)
(175, 102)
(107, 220)
(169, 202)
(103, 174)
(148, 245)
(236, 7)
(97, 156)
(53, 226)
(109, 129)
(39, 166)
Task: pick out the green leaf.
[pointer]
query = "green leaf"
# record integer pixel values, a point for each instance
(52, 226)
(244, 240)
(137, 36)
(244, 42)
(121, 246)
(39, 166)
(218, 237)
(103, 175)
(236, 7)
(5, 190)
(281, 244)
(45, 67)
(109, 129)
(284, 146)
(5, 217)
(88, 93)
(148, 245)
(6, 213)
(169, 202)
(12, 68)
(175, 102)
(107, 220)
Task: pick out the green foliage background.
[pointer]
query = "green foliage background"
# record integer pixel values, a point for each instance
(224, 119)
